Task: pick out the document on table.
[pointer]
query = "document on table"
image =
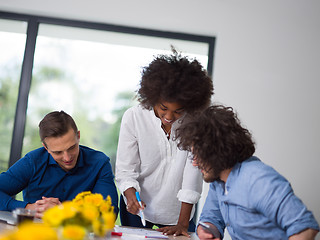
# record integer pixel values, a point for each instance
(140, 232)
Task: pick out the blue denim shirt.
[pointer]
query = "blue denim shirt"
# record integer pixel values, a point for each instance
(38, 174)
(256, 203)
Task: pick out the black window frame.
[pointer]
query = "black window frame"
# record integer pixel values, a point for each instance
(33, 22)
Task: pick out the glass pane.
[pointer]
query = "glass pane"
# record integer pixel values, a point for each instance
(93, 76)
(12, 43)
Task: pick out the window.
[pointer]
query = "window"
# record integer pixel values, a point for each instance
(12, 43)
(91, 71)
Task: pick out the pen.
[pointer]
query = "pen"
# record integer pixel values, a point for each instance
(157, 236)
(140, 210)
(120, 234)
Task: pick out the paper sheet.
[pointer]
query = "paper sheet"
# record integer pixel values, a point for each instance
(140, 231)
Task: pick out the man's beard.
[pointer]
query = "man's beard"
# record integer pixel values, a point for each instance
(210, 176)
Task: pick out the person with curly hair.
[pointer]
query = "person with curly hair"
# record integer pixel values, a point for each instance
(247, 196)
(148, 161)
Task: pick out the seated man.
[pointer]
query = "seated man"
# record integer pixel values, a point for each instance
(58, 171)
(248, 197)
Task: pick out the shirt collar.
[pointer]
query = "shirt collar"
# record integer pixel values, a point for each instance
(236, 171)
(80, 162)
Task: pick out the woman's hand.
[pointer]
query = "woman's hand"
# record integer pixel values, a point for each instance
(175, 230)
(183, 223)
(133, 205)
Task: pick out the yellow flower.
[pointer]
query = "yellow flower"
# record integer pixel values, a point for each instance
(53, 216)
(85, 213)
(106, 206)
(70, 209)
(98, 228)
(95, 199)
(32, 231)
(79, 198)
(4, 237)
(108, 200)
(90, 212)
(73, 232)
(37, 231)
(109, 219)
(78, 202)
(82, 194)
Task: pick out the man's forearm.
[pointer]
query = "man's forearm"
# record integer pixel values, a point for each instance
(308, 234)
(7, 203)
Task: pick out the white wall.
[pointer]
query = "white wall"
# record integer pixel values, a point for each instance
(266, 66)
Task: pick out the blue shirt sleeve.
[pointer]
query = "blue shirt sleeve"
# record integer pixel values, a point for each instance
(211, 210)
(277, 201)
(13, 181)
(106, 186)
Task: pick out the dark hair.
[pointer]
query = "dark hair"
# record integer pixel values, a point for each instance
(173, 78)
(217, 139)
(56, 124)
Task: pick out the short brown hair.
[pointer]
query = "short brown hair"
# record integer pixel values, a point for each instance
(56, 124)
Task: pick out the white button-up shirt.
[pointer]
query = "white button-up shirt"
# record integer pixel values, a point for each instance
(154, 166)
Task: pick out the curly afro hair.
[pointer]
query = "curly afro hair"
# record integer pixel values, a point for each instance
(173, 78)
(216, 139)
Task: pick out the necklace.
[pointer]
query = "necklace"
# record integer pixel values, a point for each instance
(166, 132)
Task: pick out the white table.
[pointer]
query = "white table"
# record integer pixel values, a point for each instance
(5, 226)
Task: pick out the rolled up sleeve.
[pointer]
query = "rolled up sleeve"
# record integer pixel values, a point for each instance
(191, 184)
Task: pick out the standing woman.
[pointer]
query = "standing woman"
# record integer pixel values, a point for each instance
(148, 159)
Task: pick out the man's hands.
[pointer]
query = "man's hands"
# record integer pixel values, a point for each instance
(133, 205)
(41, 205)
(203, 234)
